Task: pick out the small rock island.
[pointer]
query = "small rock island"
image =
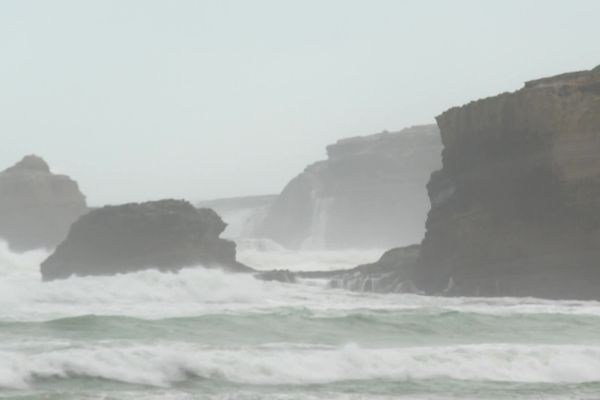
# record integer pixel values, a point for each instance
(166, 235)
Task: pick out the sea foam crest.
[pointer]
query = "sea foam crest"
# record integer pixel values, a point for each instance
(164, 365)
(199, 291)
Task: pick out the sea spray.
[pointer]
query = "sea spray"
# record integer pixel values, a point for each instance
(207, 334)
(166, 364)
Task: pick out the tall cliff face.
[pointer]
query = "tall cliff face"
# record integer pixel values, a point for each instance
(516, 206)
(37, 207)
(370, 192)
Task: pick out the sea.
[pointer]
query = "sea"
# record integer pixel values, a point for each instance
(207, 334)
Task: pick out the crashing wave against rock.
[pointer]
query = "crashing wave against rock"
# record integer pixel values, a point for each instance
(392, 273)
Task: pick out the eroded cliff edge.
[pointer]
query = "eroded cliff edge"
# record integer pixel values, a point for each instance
(516, 205)
(370, 192)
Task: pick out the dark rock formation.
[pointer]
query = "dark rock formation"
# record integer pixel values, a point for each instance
(516, 206)
(279, 275)
(370, 192)
(167, 235)
(36, 206)
(391, 274)
(242, 214)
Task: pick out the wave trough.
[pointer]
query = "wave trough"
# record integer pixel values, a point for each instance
(207, 334)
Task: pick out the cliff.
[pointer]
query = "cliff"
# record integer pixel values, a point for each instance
(36, 206)
(515, 207)
(370, 192)
(166, 235)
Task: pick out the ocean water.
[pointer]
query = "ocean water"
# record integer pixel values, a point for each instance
(205, 334)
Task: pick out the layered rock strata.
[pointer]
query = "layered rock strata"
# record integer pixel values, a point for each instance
(516, 205)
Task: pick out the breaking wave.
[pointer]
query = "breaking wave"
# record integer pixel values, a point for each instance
(163, 365)
(231, 333)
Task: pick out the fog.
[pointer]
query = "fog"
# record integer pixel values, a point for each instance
(293, 200)
(141, 100)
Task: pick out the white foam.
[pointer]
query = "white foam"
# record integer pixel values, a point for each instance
(163, 365)
(243, 221)
(264, 254)
(11, 261)
(319, 221)
(198, 291)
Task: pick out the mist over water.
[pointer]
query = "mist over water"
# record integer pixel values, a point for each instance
(212, 335)
(239, 200)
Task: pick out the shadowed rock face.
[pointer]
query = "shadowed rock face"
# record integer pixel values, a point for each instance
(166, 235)
(36, 206)
(370, 192)
(392, 273)
(516, 206)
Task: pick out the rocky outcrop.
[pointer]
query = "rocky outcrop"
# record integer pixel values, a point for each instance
(241, 214)
(370, 192)
(392, 273)
(36, 206)
(516, 206)
(166, 235)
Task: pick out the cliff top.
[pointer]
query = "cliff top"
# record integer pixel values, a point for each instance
(150, 207)
(30, 163)
(570, 78)
(358, 144)
(576, 80)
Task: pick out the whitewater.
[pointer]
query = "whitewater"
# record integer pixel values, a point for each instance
(206, 334)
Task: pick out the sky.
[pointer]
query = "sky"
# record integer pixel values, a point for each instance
(146, 99)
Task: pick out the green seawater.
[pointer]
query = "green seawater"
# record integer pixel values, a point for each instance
(204, 334)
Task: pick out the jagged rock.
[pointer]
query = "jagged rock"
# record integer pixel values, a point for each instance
(36, 206)
(515, 208)
(279, 275)
(370, 192)
(167, 235)
(392, 273)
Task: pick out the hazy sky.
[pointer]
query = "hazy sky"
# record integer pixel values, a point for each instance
(198, 99)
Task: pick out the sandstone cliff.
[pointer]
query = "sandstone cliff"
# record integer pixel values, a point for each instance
(167, 235)
(516, 206)
(36, 206)
(370, 192)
